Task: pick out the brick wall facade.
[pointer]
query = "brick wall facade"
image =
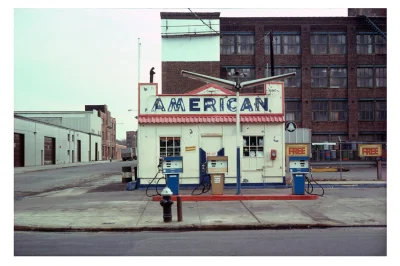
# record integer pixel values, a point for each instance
(173, 82)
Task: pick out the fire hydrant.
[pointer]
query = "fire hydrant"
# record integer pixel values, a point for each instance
(166, 203)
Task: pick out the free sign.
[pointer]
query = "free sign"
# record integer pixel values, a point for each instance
(370, 150)
(297, 150)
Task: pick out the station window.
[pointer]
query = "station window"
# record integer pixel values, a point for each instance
(293, 110)
(337, 77)
(330, 110)
(229, 72)
(73, 137)
(253, 146)
(170, 146)
(68, 137)
(283, 43)
(372, 110)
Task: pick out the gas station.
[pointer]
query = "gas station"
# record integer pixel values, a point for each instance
(189, 140)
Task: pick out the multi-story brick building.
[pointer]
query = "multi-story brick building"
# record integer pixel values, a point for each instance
(108, 130)
(340, 85)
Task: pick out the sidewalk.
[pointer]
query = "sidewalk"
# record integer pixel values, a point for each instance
(134, 211)
(21, 170)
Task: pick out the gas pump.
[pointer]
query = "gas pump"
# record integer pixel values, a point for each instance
(217, 166)
(299, 167)
(171, 168)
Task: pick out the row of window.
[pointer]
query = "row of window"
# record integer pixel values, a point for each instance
(321, 77)
(337, 110)
(289, 44)
(253, 146)
(334, 137)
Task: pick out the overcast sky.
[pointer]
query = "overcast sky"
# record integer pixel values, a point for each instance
(66, 58)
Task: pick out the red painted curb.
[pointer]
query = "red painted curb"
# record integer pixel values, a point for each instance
(239, 197)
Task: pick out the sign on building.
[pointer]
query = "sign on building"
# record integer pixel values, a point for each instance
(374, 150)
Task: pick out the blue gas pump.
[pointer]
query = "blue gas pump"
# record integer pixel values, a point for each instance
(171, 167)
(299, 166)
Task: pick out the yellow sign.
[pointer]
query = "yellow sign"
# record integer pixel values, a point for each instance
(190, 148)
(370, 150)
(297, 150)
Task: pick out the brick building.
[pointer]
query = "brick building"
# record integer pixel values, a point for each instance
(108, 128)
(340, 62)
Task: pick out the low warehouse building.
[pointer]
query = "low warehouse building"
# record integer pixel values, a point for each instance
(41, 143)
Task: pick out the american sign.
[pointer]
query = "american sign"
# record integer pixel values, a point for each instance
(197, 104)
(370, 150)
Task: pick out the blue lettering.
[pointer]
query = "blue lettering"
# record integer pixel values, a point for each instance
(194, 104)
(158, 105)
(264, 104)
(230, 101)
(209, 103)
(173, 105)
(246, 105)
(221, 104)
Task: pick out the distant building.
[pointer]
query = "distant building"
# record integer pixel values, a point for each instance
(40, 143)
(108, 130)
(131, 139)
(118, 151)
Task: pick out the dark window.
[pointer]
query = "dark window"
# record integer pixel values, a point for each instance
(365, 77)
(170, 146)
(276, 43)
(337, 44)
(237, 44)
(320, 110)
(253, 146)
(338, 78)
(319, 44)
(291, 44)
(293, 111)
(370, 44)
(319, 77)
(381, 111)
(245, 44)
(230, 73)
(338, 110)
(291, 82)
(366, 110)
(380, 77)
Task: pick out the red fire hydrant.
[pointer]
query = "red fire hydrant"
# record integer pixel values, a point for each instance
(166, 203)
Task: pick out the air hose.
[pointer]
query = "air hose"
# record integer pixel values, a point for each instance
(309, 184)
(147, 188)
(206, 186)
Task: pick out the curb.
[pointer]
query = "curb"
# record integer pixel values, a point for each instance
(238, 197)
(227, 227)
(55, 168)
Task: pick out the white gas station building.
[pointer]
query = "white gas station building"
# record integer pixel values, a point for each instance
(201, 123)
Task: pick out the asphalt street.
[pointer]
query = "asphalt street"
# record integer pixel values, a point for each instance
(311, 242)
(48, 180)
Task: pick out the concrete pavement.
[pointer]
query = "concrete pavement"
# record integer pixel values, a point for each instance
(113, 209)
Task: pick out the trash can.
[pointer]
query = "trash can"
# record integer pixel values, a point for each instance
(126, 174)
(217, 184)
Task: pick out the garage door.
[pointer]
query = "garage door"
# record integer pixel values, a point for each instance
(19, 150)
(49, 150)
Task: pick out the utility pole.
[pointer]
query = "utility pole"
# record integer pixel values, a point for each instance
(271, 52)
(139, 60)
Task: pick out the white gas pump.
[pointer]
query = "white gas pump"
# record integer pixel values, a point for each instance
(299, 166)
(171, 167)
(217, 166)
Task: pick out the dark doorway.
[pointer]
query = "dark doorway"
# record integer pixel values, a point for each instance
(79, 151)
(19, 150)
(49, 150)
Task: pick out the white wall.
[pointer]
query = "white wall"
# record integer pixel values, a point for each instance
(189, 49)
(254, 170)
(34, 143)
